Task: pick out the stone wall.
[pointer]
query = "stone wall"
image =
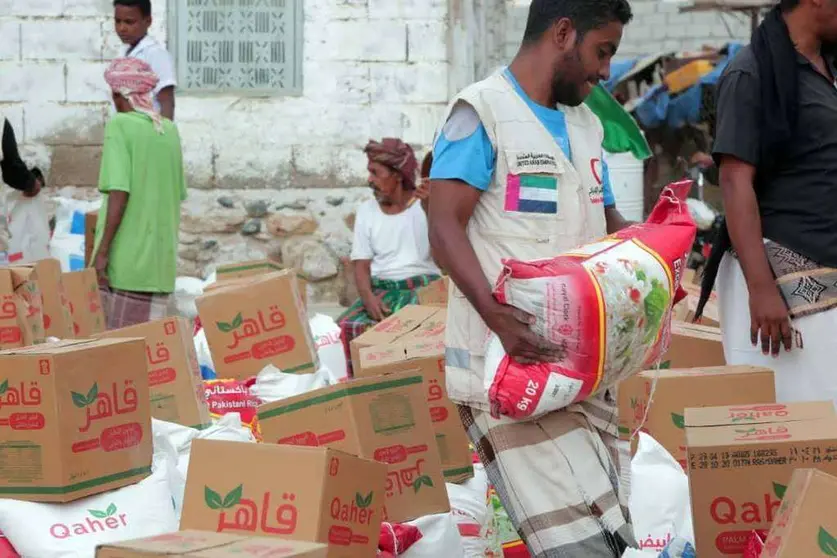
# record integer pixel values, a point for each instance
(273, 176)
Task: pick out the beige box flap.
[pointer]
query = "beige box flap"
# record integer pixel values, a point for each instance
(758, 413)
(755, 434)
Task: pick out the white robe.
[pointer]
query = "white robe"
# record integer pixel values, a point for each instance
(807, 374)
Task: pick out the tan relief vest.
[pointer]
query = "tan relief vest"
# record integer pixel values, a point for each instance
(527, 155)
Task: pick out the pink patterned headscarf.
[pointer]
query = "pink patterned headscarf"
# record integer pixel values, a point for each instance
(135, 80)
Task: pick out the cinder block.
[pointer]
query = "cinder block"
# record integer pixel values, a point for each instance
(61, 39)
(30, 8)
(350, 166)
(9, 40)
(96, 8)
(197, 139)
(409, 9)
(33, 82)
(253, 163)
(359, 41)
(330, 10)
(427, 41)
(67, 124)
(342, 82)
(421, 122)
(74, 165)
(86, 82)
(410, 83)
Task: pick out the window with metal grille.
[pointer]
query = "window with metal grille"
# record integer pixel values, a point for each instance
(250, 47)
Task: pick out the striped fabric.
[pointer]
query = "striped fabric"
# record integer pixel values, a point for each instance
(396, 295)
(558, 479)
(126, 308)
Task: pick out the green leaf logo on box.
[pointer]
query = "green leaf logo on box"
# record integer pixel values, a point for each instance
(779, 490)
(423, 480)
(827, 542)
(678, 421)
(82, 401)
(363, 502)
(110, 512)
(215, 502)
(236, 322)
(4, 387)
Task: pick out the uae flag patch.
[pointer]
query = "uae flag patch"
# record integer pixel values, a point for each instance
(532, 193)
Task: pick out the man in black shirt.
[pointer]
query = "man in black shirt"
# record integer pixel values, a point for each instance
(14, 171)
(776, 146)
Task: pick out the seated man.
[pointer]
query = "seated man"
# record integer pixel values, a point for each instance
(391, 250)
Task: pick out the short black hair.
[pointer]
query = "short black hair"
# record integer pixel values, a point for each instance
(143, 5)
(585, 15)
(788, 5)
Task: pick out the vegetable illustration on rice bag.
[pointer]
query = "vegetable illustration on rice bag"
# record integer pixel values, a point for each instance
(607, 305)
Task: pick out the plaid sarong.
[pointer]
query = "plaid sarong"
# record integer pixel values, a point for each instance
(126, 308)
(558, 479)
(396, 295)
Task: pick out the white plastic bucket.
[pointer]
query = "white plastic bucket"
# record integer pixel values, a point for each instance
(627, 178)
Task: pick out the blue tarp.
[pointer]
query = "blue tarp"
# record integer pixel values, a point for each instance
(617, 70)
(658, 108)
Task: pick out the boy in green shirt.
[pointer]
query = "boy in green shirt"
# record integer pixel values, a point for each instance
(143, 184)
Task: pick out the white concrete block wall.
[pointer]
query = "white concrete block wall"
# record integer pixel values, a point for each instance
(657, 26)
(371, 68)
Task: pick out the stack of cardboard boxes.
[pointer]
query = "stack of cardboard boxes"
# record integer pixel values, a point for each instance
(337, 461)
(738, 446)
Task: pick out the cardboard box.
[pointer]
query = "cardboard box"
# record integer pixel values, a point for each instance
(252, 268)
(82, 288)
(681, 388)
(383, 418)
(423, 351)
(685, 310)
(174, 377)
(18, 319)
(434, 294)
(694, 346)
(204, 544)
(261, 322)
(305, 494)
(26, 286)
(227, 273)
(739, 470)
(46, 276)
(805, 524)
(392, 329)
(74, 419)
(762, 413)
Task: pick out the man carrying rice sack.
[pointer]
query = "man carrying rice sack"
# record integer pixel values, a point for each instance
(517, 173)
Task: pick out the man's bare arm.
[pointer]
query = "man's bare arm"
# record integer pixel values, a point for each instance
(363, 281)
(615, 221)
(117, 202)
(451, 209)
(744, 222)
(448, 220)
(166, 99)
(769, 316)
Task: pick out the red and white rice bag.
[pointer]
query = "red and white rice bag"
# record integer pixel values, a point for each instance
(233, 396)
(606, 304)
